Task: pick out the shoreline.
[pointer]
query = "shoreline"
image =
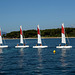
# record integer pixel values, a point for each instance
(41, 37)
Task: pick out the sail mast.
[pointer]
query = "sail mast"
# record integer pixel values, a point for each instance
(63, 34)
(0, 37)
(21, 35)
(39, 37)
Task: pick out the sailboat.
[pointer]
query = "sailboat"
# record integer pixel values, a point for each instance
(21, 40)
(1, 43)
(39, 45)
(63, 40)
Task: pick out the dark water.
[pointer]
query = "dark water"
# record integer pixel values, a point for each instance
(29, 61)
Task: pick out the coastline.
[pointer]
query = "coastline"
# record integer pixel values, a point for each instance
(41, 37)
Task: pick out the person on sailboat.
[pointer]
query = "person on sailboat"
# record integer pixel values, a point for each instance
(40, 44)
(24, 44)
(17, 45)
(66, 45)
(59, 44)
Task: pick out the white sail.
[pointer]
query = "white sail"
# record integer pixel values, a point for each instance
(21, 36)
(63, 34)
(39, 37)
(0, 37)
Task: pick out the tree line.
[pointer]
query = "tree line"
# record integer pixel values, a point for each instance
(70, 32)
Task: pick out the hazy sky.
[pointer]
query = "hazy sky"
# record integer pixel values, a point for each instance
(29, 13)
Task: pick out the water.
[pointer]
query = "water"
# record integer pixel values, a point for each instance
(29, 61)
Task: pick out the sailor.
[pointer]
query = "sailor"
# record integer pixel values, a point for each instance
(24, 44)
(36, 44)
(17, 44)
(59, 44)
(66, 45)
(40, 44)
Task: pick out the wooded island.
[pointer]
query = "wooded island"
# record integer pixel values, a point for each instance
(70, 32)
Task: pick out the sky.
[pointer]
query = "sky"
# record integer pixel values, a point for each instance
(29, 13)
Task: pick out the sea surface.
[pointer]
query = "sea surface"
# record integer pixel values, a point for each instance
(30, 61)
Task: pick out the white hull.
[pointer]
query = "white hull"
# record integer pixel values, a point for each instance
(63, 46)
(21, 46)
(5, 46)
(40, 46)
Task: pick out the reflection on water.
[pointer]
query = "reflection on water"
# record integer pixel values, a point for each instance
(1, 51)
(63, 54)
(40, 66)
(21, 58)
(1, 59)
(21, 51)
(63, 58)
(39, 54)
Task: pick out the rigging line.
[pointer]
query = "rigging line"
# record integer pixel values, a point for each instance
(68, 39)
(4, 40)
(43, 41)
(42, 38)
(24, 39)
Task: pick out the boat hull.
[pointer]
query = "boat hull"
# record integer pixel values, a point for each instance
(63, 46)
(40, 46)
(22, 46)
(4, 46)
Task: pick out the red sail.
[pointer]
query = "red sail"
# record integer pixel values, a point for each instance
(38, 30)
(0, 32)
(20, 31)
(63, 30)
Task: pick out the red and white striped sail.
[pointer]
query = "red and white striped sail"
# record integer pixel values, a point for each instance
(39, 37)
(21, 36)
(0, 37)
(63, 34)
